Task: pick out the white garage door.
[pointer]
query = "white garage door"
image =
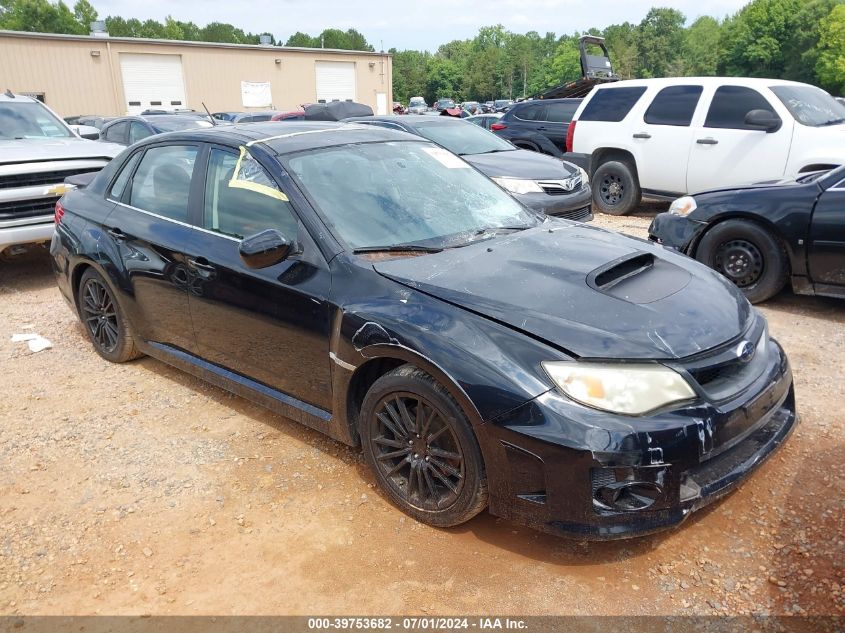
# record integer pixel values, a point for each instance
(152, 81)
(335, 81)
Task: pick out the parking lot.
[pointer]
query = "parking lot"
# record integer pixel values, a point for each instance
(138, 489)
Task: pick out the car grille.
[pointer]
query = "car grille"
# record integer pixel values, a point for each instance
(582, 215)
(53, 177)
(725, 374)
(27, 208)
(560, 187)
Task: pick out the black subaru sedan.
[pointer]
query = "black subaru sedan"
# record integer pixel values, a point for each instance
(379, 289)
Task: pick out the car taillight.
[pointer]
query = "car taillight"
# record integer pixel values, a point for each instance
(570, 135)
(60, 211)
(498, 126)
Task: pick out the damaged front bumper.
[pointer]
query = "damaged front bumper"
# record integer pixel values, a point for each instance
(675, 231)
(596, 475)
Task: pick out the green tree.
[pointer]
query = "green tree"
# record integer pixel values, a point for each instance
(566, 64)
(302, 40)
(701, 48)
(800, 51)
(660, 39)
(621, 42)
(753, 39)
(84, 13)
(830, 66)
(40, 16)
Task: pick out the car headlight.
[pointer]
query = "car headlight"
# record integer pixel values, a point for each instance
(518, 185)
(683, 206)
(627, 388)
(585, 178)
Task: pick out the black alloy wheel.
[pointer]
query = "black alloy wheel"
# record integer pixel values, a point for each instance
(103, 320)
(418, 453)
(422, 448)
(99, 315)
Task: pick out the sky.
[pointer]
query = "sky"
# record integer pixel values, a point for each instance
(403, 24)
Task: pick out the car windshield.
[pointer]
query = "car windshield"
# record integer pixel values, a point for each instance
(180, 123)
(446, 103)
(27, 119)
(417, 101)
(404, 194)
(462, 138)
(503, 102)
(810, 106)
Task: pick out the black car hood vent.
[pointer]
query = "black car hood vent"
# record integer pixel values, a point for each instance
(639, 278)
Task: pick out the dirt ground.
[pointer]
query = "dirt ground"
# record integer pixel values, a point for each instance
(137, 489)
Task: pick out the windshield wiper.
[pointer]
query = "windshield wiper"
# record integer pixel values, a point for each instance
(397, 248)
(832, 122)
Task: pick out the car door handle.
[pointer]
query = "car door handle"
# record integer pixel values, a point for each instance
(201, 263)
(542, 127)
(116, 233)
(707, 141)
(642, 135)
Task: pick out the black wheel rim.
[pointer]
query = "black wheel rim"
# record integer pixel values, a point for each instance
(612, 189)
(99, 315)
(740, 261)
(417, 452)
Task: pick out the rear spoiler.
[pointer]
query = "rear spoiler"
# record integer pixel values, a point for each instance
(80, 181)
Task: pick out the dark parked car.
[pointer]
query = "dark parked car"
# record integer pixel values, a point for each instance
(502, 105)
(373, 286)
(130, 129)
(444, 104)
(540, 182)
(538, 125)
(484, 120)
(255, 116)
(761, 236)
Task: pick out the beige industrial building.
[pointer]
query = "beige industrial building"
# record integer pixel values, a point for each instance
(104, 75)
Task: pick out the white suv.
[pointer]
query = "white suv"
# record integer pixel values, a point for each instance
(662, 138)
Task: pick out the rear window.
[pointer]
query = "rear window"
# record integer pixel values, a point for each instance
(674, 105)
(611, 104)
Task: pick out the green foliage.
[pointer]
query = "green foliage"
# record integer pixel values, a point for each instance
(803, 40)
(830, 66)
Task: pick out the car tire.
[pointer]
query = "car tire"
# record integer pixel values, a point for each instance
(748, 255)
(103, 320)
(615, 188)
(422, 449)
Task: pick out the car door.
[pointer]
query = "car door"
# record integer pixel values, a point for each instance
(272, 324)
(826, 258)
(149, 226)
(558, 115)
(725, 151)
(663, 138)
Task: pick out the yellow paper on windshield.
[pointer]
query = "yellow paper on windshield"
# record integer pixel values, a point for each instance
(248, 174)
(445, 158)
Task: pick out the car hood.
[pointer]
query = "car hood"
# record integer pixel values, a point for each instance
(32, 150)
(589, 292)
(521, 163)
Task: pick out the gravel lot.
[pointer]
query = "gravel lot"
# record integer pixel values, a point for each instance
(137, 489)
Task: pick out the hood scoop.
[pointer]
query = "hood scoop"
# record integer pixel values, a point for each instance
(639, 277)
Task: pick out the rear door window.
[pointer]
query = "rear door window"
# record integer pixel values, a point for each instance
(673, 105)
(117, 133)
(560, 112)
(611, 104)
(730, 105)
(533, 112)
(162, 182)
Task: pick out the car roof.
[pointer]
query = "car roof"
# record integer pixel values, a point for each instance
(17, 97)
(756, 82)
(408, 121)
(288, 137)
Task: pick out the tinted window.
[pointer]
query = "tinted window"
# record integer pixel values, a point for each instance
(163, 181)
(533, 112)
(119, 186)
(233, 207)
(137, 131)
(674, 105)
(117, 133)
(611, 104)
(561, 112)
(731, 104)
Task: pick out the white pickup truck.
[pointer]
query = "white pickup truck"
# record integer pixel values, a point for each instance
(663, 138)
(37, 152)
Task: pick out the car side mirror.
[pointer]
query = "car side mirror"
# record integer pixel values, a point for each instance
(764, 120)
(265, 249)
(87, 131)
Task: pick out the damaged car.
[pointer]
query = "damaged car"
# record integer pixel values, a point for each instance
(373, 286)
